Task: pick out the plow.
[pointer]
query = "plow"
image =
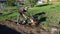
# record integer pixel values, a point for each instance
(27, 19)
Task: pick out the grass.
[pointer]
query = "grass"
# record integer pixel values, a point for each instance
(8, 15)
(52, 14)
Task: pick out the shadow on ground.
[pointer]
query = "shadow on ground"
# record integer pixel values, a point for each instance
(41, 19)
(6, 30)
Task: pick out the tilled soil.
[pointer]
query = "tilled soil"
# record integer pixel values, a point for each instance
(24, 29)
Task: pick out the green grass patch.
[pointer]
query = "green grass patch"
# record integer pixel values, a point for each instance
(52, 14)
(8, 15)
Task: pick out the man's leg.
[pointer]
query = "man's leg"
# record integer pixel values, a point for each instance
(18, 18)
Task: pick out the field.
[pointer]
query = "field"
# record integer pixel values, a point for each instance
(52, 14)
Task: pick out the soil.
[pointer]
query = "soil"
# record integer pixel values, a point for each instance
(22, 29)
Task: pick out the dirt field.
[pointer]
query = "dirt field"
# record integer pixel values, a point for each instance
(24, 29)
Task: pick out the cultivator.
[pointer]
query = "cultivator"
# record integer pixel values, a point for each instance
(26, 19)
(30, 20)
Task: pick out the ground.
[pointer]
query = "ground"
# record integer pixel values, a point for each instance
(23, 28)
(49, 16)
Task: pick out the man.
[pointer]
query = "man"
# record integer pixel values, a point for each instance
(21, 12)
(18, 17)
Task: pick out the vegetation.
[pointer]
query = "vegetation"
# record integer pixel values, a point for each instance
(10, 2)
(48, 1)
(52, 14)
(32, 2)
(48, 15)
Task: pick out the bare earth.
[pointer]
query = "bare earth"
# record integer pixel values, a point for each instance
(23, 29)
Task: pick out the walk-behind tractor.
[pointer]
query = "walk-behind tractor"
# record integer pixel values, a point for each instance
(29, 20)
(26, 19)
